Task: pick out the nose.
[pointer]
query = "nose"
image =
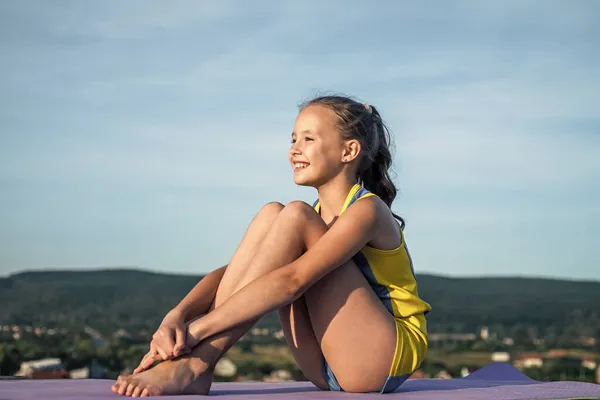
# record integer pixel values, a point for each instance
(295, 149)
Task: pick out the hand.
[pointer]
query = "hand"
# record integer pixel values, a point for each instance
(169, 341)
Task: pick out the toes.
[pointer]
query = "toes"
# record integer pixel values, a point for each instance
(145, 393)
(137, 391)
(130, 389)
(123, 387)
(117, 385)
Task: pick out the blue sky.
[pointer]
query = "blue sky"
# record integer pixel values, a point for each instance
(148, 133)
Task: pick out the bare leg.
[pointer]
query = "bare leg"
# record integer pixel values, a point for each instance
(301, 339)
(337, 314)
(325, 319)
(295, 229)
(285, 241)
(218, 345)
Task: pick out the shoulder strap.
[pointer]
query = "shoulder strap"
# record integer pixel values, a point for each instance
(317, 206)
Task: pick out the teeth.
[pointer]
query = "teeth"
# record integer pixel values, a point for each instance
(300, 165)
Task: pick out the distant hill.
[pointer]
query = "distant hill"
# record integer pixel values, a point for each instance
(104, 299)
(548, 304)
(135, 299)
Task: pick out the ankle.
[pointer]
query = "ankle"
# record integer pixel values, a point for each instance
(207, 354)
(199, 367)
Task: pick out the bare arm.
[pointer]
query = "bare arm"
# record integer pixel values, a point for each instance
(199, 299)
(353, 230)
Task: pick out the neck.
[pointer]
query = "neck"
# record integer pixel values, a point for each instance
(332, 196)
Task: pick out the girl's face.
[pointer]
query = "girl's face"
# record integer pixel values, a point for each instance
(317, 147)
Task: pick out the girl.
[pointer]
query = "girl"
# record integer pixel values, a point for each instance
(339, 273)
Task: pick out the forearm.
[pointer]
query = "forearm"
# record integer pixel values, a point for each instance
(199, 299)
(265, 294)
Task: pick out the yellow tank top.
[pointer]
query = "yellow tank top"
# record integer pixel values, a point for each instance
(390, 273)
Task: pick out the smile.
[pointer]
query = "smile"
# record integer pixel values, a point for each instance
(300, 165)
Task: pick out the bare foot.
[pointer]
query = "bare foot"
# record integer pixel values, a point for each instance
(181, 376)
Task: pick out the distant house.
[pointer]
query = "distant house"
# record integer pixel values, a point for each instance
(418, 374)
(279, 334)
(225, 367)
(278, 375)
(529, 360)
(79, 373)
(484, 333)
(443, 375)
(47, 368)
(557, 353)
(588, 341)
(93, 371)
(260, 331)
(589, 363)
(500, 356)
(50, 374)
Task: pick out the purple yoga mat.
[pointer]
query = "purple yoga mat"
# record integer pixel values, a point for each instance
(496, 381)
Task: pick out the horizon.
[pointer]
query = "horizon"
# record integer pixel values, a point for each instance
(136, 133)
(188, 274)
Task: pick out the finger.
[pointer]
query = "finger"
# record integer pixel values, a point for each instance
(142, 362)
(142, 365)
(150, 358)
(179, 342)
(169, 344)
(165, 342)
(163, 354)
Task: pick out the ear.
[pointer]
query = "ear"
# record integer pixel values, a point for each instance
(351, 150)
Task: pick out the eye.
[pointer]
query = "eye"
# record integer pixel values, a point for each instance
(306, 139)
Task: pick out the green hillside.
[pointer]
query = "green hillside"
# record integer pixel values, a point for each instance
(544, 303)
(134, 299)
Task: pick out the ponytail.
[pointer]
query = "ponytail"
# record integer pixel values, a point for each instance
(374, 173)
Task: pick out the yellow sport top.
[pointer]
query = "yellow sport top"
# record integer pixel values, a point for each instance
(391, 275)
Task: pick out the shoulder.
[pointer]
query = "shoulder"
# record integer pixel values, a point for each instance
(374, 214)
(370, 206)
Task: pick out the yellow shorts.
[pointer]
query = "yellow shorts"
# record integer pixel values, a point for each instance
(411, 346)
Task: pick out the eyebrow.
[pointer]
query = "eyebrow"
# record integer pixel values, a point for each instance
(305, 131)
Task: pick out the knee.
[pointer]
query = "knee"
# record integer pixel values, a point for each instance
(298, 211)
(271, 210)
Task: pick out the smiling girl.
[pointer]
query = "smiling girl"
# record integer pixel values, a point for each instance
(339, 273)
